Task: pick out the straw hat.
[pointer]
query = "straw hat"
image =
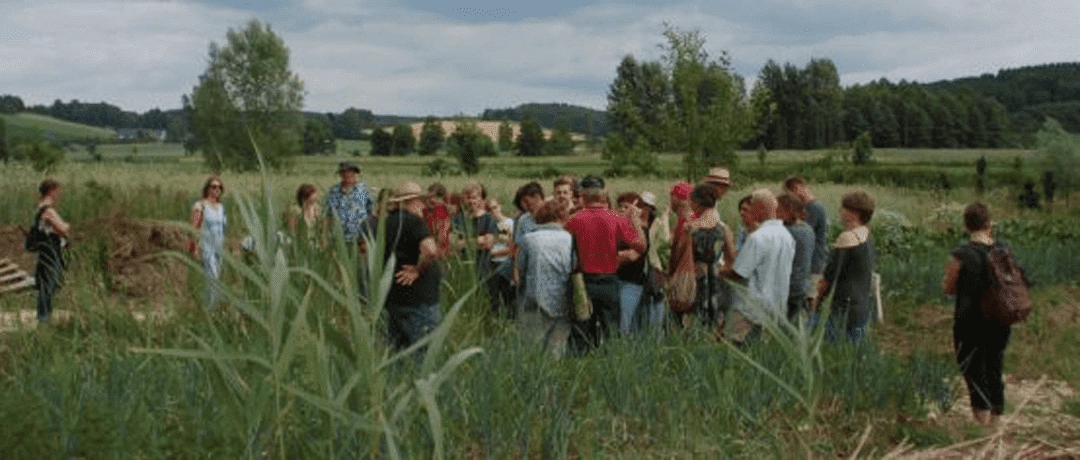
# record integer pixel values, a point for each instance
(718, 176)
(407, 191)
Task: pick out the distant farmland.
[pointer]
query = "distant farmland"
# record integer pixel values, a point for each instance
(39, 127)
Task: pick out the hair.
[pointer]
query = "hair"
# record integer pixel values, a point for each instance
(531, 189)
(860, 202)
(566, 180)
(976, 217)
(437, 189)
(304, 192)
(628, 197)
(793, 181)
(704, 195)
(594, 195)
(745, 201)
(474, 186)
(47, 186)
(206, 186)
(491, 203)
(792, 205)
(549, 212)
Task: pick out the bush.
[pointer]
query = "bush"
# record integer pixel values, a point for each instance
(863, 149)
(45, 157)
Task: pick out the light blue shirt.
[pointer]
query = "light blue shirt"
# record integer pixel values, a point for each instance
(546, 260)
(765, 262)
(351, 209)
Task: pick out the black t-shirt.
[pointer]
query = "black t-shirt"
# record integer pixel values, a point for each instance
(474, 227)
(404, 232)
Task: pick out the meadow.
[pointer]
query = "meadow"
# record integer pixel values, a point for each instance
(292, 364)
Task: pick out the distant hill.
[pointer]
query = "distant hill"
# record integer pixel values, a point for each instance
(581, 119)
(1029, 94)
(32, 126)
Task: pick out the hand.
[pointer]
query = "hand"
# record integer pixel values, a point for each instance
(407, 275)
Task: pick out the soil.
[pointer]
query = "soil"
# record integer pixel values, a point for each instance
(131, 256)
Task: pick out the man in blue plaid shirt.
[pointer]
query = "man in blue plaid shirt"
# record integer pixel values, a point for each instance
(349, 202)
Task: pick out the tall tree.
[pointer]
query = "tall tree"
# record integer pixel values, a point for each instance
(562, 142)
(530, 142)
(432, 136)
(318, 137)
(506, 136)
(248, 98)
(468, 144)
(404, 142)
(711, 114)
(382, 143)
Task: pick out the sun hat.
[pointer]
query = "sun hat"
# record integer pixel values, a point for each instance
(718, 176)
(407, 191)
(682, 190)
(347, 166)
(648, 198)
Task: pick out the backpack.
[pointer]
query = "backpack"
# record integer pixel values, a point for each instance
(1006, 297)
(36, 237)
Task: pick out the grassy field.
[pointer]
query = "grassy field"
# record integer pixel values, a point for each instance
(42, 127)
(293, 367)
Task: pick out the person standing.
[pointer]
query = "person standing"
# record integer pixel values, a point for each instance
(563, 191)
(304, 218)
(476, 224)
(49, 272)
(792, 214)
(597, 233)
(817, 218)
(979, 341)
(502, 257)
(545, 261)
(412, 305)
(850, 270)
(527, 200)
(208, 218)
(764, 263)
(349, 202)
(632, 267)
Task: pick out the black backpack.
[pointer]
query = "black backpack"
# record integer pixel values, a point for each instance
(36, 237)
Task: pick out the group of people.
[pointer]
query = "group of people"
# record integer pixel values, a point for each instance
(777, 266)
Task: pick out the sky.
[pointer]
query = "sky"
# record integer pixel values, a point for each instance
(449, 57)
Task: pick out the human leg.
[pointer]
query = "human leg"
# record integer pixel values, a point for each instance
(603, 292)
(629, 302)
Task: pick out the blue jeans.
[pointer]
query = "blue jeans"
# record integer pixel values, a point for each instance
(47, 278)
(407, 325)
(629, 301)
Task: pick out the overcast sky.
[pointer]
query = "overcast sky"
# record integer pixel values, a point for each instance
(445, 57)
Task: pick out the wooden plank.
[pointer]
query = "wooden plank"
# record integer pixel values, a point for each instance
(9, 269)
(24, 284)
(13, 276)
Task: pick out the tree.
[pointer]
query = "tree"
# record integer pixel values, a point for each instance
(636, 160)
(1060, 153)
(44, 157)
(432, 136)
(11, 104)
(318, 137)
(5, 154)
(562, 142)
(530, 141)
(506, 136)
(92, 150)
(248, 98)
(468, 144)
(862, 149)
(711, 114)
(404, 142)
(382, 143)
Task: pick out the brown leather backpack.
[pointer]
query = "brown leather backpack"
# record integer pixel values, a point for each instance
(1006, 298)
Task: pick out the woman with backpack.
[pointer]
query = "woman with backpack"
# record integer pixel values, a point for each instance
(979, 340)
(48, 239)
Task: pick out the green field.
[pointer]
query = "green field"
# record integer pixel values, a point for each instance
(42, 127)
(294, 368)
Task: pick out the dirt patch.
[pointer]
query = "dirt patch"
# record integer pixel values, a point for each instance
(11, 248)
(1036, 427)
(133, 255)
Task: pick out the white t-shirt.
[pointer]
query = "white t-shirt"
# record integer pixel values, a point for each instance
(765, 262)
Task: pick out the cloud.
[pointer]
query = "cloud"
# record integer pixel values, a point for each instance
(391, 58)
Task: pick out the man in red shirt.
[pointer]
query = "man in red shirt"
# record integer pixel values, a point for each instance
(597, 232)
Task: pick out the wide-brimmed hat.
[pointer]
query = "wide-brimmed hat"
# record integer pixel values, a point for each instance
(718, 176)
(407, 191)
(347, 166)
(648, 198)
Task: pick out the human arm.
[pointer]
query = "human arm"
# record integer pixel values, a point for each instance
(429, 252)
(53, 219)
(952, 274)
